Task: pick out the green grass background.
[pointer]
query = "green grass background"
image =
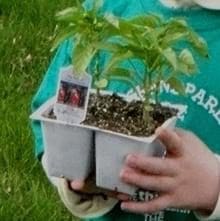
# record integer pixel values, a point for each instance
(26, 35)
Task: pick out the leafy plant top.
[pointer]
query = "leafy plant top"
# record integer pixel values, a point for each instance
(167, 49)
(88, 28)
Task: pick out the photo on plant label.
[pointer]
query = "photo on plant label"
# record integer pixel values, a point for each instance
(72, 94)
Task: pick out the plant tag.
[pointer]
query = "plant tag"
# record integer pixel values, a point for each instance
(72, 95)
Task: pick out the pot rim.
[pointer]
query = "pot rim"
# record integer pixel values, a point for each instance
(38, 115)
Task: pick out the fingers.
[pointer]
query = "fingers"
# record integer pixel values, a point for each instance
(147, 182)
(170, 139)
(158, 204)
(181, 132)
(86, 187)
(152, 165)
(77, 185)
(123, 197)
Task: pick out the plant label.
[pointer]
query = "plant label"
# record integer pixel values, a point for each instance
(72, 95)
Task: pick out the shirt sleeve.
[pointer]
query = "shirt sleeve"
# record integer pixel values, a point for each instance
(85, 205)
(215, 216)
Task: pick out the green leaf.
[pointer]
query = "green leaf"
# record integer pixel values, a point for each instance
(146, 41)
(171, 39)
(171, 57)
(123, 72)
(67, 14)
(101, 84)
(176, 30)
(125, 28)
(199, 44)
(176, 84)
(187, 64)
(117, 58)
(178, 23)
(149, 20)
(111, 19)
(79, 4)
(83, 55)
(97, 4)
(66, 33)
(125, 75)
(108, 46)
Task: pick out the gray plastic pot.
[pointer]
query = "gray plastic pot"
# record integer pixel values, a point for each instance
(111, 150)
(69, 147)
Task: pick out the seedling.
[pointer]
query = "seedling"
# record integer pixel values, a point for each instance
(163, 48)
(90, 29)
(166, 49)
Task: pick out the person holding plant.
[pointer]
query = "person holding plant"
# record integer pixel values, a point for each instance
(187, 180)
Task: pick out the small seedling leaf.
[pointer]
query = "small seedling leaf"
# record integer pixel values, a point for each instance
(149, 20)
(177, 85)
(112, 20)
(171, 57)
(187, 63)
(62, 36)
(118, 58)
(101, 84)
(67, 14)
(199, 44)
(83, 55)
(97, 4)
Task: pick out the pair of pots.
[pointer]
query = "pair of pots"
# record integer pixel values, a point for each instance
(75, 150)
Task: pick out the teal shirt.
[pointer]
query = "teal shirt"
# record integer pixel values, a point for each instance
(201, 105)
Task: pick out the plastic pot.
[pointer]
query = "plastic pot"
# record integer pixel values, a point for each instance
(69, 147)
(111, 151)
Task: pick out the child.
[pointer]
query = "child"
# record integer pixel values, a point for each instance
(188, 179)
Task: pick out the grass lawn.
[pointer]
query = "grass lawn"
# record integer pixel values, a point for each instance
(26, 36)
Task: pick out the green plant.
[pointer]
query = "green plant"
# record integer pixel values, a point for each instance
(90, 29)
(163, 47)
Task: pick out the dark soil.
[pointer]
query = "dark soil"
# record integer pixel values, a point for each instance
(115, 114)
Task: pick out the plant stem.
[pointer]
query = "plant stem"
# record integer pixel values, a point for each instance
(147, 90)
(157, 84)
(148, 87)
(97, 72)
(146, 107)
(146, 114)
